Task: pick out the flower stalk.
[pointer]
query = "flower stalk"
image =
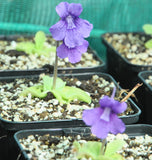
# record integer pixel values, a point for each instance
(55, 67)
(103, 147)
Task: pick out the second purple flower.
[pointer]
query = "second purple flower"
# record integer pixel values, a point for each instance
(104, 119)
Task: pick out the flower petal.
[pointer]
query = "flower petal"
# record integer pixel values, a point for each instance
(62, 51)
(84, 27)
(74, 55)
(116, 106)
(100, 129)
(62, 9)
(58, 30)
(73, 38)
(75, 9)
(119, 107)
(83, 48)
(106, 101)
(91, 116)
(116, 125)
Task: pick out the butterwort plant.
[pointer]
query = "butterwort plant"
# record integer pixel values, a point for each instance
(70, 33)
(104, 120)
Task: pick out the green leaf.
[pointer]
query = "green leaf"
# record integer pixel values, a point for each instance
(27, 47)
(39, 39)
(147, 28)
(148, 44)
(64, 94)
(114, 146)
(91, 149)
(38, 47)
(72, 93)
(36, 91)
(48, 83)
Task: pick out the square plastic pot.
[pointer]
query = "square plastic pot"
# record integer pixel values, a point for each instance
(15, 126)
(99, 68)
(120, 68)
(131, 131)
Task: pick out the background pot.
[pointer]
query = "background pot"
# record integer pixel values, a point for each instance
(119, 67)
(98, 68)
(131, 131)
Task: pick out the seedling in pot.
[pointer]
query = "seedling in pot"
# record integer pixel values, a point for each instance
(38, 47)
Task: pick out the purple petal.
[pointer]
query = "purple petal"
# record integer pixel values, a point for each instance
(106, 101)
(70, 22)
(100, 129)
(75, 9)
(58, 30)
(62, 51)
(119, 107)
(74, 55)
(106, 114)
(62, 9)
(116, 125)
(83, 48)
(73, 38)
(84, 27)
(91, 116)
(116, 106)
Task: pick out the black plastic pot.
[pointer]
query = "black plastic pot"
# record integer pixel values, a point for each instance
(15, 126)
(131, 131)
(99, 68)
(145, 97)
(120, 68)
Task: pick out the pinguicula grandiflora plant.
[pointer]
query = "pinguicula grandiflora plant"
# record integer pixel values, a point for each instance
(148, 30)
(37, 47)
(104, 120)
(69, 33)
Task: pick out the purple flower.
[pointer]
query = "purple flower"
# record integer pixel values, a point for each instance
(104, 119)
(73, 54)
(70, 28)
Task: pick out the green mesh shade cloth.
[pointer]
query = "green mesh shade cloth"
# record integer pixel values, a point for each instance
(29, 16)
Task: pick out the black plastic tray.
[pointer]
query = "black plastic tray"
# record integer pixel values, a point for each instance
(99, 68)
(119, 67)
(145, 97)
(131, 130)
(15, 126)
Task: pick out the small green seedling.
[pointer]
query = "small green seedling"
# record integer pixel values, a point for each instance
(148, 30)
(37, 47)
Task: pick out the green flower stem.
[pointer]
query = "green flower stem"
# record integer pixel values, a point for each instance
(103, 147)
(55, 67)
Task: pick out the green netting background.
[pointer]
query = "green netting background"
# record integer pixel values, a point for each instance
(29, 16)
